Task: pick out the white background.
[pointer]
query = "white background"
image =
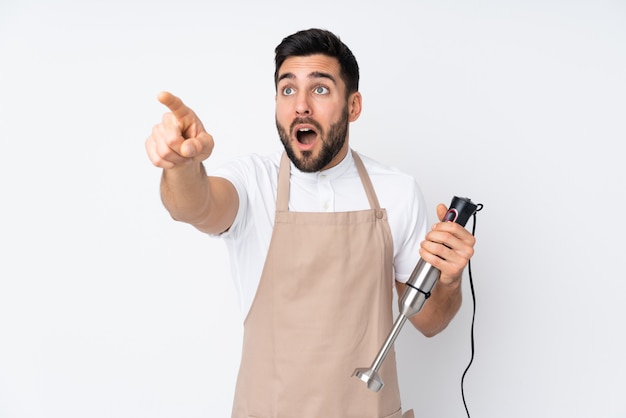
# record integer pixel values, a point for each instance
(108, 308)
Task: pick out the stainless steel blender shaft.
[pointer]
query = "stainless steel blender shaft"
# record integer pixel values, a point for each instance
(371, 376)
(417, 290)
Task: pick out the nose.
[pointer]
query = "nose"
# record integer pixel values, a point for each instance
(302, 105)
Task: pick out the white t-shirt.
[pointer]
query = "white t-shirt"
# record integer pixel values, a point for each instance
(337, 189)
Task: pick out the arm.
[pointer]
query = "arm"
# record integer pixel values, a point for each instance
(448, 247)
(179, 145)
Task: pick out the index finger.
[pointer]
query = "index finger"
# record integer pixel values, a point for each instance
(175, 105)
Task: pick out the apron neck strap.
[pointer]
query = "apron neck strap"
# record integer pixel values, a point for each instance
(282, 198)
(367, 182)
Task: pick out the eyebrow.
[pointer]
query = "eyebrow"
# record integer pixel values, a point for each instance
(314, 74)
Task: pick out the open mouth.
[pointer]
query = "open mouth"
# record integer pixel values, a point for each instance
(306, 136)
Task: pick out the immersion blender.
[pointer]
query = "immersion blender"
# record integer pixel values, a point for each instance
(417, 290)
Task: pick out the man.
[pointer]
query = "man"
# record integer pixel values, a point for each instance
(318, 236)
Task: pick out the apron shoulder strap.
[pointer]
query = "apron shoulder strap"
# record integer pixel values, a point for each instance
(367, 182)
(282, 198)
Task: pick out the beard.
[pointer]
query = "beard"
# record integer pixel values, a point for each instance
(331, 143)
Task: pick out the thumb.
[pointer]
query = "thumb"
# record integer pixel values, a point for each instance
(200, 146)
(189, 148)
(441, 211)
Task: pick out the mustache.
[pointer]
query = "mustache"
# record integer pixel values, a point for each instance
(307, 121)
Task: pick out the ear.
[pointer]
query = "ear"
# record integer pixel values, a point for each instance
(355, 102)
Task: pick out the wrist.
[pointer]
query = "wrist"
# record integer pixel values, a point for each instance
(451, 283)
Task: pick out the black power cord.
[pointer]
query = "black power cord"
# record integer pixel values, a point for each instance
(471, 282)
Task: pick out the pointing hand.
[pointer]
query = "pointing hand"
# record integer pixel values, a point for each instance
(180, 138)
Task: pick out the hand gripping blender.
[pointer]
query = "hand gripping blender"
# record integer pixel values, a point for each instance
(417, 290)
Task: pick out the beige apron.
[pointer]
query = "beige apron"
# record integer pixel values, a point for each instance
(322, 308)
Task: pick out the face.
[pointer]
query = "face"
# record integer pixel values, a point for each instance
(312, 112)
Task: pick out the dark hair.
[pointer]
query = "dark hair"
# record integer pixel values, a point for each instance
(319, 41)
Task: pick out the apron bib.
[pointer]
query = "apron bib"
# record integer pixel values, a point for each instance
(323, 306)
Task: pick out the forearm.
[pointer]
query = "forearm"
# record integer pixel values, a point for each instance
(185, 192)
(439, 309)
(208, 203)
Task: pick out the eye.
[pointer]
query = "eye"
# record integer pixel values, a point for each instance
(288, 91)
(321, 90)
